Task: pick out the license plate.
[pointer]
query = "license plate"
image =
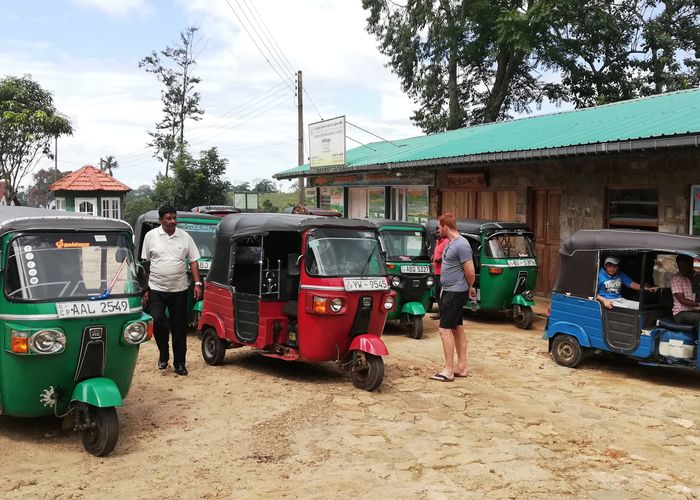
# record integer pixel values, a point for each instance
(415, 269)
(352, 284)
(88, 308)
(522, 262)
(204, 264)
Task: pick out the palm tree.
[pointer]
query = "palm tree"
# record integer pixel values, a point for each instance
(108, 164)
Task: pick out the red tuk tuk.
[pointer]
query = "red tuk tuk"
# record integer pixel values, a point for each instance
(298, 287)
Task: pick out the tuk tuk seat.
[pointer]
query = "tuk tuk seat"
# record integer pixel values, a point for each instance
(677, 327)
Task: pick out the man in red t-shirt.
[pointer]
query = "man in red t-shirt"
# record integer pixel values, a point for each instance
(440, 244)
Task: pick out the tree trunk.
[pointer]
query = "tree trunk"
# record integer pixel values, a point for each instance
(454, 120)
(507, 63)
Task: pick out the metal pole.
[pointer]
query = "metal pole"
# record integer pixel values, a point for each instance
(300, 146)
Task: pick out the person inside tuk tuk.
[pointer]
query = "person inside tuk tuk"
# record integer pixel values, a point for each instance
(686, 308)
(610, 282)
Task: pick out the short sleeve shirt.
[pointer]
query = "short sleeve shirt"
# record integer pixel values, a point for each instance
(610, 287)
(681, 284)
(168, 255)
(457, 252)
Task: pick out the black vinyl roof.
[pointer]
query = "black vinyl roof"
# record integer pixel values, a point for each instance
(629, 239)
(41, 219)
(380, 223)
(257, 223)
(476, 226)
(152, 216)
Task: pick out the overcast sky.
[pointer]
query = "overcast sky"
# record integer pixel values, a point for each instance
(86, 52)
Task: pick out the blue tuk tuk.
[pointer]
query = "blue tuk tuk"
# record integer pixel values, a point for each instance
(579, 325)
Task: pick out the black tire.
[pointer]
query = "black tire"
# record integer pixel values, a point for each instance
(213, 348)
(525, 318)
(566, 351)
(369, 376)
(101, 439)
(415, 327)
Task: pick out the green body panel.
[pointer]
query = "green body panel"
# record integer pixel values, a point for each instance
(410, 307)
(198, 306)
(413, 308)
(522, 301)
(496, 290)
(101, 392)
(30, 382)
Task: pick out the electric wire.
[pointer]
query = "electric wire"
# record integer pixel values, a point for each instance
(271, 39)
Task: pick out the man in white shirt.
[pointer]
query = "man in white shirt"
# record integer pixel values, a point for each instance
(166, 250)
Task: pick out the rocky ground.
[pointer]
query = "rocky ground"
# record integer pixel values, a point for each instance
(519, 427)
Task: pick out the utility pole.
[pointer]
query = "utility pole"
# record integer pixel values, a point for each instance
(300, 146)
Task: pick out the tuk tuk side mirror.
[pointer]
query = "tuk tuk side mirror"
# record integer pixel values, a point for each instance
(294, 264)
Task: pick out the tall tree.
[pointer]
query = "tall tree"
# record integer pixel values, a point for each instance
(264, 186)
(109, 164)
(38, 194)
(174, 67)
(29, 122)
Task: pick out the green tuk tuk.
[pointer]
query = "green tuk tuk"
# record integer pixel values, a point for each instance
(505, 264)
(70, 318)
(404, 248)
(201, 227)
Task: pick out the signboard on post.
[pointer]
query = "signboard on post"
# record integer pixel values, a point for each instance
(327, 143)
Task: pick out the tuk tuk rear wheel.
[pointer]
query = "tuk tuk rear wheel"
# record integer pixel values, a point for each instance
(369, 374)
(566, 351)
(525, 318)
(415, 325)
(101, 439)
(213, 348)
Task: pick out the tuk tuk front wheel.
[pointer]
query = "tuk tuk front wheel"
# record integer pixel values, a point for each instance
(415, 326)
(213, 348)
(368, 373)
(566, 351)
(524, 318)
(101, 436)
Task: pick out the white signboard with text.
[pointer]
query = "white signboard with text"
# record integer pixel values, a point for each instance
(327, 143)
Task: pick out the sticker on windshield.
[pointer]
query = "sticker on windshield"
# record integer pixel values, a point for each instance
(313, 244)
(31, 264)
(32, 272)
(197, 228)
(29, 256)
(27, 248)
(33, 281)
(71, 244)
(101, 238)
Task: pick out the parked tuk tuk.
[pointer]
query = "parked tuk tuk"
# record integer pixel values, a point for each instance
(579, 325)
(405, 252)
(505, 265)
(72, 320)
(302, 288)
(201, 227)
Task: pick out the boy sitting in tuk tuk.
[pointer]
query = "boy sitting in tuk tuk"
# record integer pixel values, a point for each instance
(610, 282)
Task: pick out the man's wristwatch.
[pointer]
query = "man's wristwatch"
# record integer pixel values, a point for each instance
(197, 283)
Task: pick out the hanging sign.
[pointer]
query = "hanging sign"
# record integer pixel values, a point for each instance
(327, 143)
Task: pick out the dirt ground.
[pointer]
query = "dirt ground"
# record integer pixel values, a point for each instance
(520, 426)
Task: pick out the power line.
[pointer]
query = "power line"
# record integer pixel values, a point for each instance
(265, 30)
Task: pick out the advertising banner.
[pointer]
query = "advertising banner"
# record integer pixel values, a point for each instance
(376, 204)
(417, 204)
(310, 197)
(332, 198)
(695, 209)
(327, 143)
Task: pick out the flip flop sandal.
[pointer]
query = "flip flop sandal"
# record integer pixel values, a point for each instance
(441, 378)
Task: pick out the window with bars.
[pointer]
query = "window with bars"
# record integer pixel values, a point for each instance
(633, 208)
(110, 208)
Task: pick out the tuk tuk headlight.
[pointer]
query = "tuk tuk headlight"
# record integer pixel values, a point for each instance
(388, 302)
(135, 332)
(336, 305)
(429, 281)
(47, 342)
(395, 281)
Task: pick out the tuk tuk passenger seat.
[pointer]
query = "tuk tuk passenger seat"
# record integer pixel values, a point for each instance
(676, 327)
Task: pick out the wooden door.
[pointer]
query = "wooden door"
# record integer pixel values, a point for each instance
(489, 205)
(544, 221)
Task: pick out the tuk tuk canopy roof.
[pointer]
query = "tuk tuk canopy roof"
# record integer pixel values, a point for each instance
(630, 240)
(255, 223)
(151, 217)
(386, 223)
(41, 219)
(476, 226)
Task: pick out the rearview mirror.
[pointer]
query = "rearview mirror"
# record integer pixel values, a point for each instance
(294, 264)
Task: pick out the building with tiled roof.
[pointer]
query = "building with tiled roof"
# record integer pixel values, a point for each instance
(92, 191)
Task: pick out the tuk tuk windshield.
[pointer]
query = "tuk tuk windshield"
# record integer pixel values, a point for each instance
(509, 246)
(404, 245)
(203, 236)
(49, 266)
(343, 252)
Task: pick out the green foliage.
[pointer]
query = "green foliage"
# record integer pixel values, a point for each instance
(109, 164)
(276, 202)
(137, 206)
(29, 122)
(173, 67)
(194, 182)
(38, 194)
(265, 186)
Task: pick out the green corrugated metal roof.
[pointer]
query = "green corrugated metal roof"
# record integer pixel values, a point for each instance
(672, 114)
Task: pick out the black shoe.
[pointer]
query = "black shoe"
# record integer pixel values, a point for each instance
(162, 365)
(181, 370)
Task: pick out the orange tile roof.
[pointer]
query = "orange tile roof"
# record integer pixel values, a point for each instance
(88, 178)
